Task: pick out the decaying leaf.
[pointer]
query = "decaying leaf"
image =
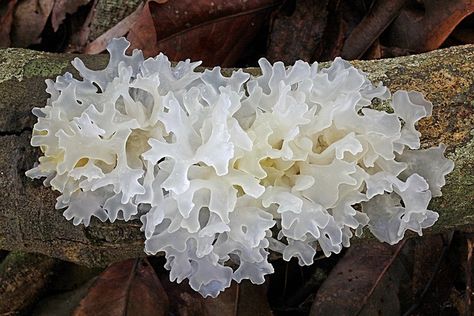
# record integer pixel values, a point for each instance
(129, 287)
(244, 299)
(6, 19)
(432, 274)
(216, 32)
(29, 20)
(425, 28)
(62, 304)
(298, 36)
(364, 282)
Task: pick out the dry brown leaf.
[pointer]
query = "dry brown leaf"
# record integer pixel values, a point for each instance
(240, 299)
(129, 287)
(63, 7)
(364, 282)
(425, 254)
(216, 32)
(29, 20)
(426, 28)
(432, 274)
(298, 36)
(6, 19)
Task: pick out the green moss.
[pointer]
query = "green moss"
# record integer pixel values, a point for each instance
(382, 105)
(21, 63)
(458, 211)
(12, 62)
(45, 67)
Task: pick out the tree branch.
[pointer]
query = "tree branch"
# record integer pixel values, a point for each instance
(29, 222)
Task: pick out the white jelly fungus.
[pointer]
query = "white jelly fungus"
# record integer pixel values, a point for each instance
(224, 169)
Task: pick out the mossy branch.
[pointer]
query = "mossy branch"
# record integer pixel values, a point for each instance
(29, 222)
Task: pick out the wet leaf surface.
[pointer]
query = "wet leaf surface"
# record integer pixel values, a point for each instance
(29, 20)
(129, 287)
(426, 27)
(244, 299)
(229, 33)
(6, 20)
(216, 32)
(364, 282)
(292, 37)
(428, 276)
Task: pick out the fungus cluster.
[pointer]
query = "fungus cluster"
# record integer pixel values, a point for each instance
(225, 169)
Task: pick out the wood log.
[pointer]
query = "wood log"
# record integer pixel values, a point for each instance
(29, 222)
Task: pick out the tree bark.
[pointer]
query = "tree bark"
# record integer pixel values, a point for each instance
(29, 222)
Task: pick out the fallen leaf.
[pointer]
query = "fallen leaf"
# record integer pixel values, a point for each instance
(216, 32)
(298, 36)
(426, 252)
(129, 287)
(29, 20)
(63, 7)
(240, 299)
(364, 282)
(252, 300)
(6, 19)
(424, 29)
(62, 304)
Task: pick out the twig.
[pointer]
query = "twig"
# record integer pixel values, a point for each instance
(370, 28)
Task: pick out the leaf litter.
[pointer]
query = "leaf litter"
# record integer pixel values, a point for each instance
(423, 276)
